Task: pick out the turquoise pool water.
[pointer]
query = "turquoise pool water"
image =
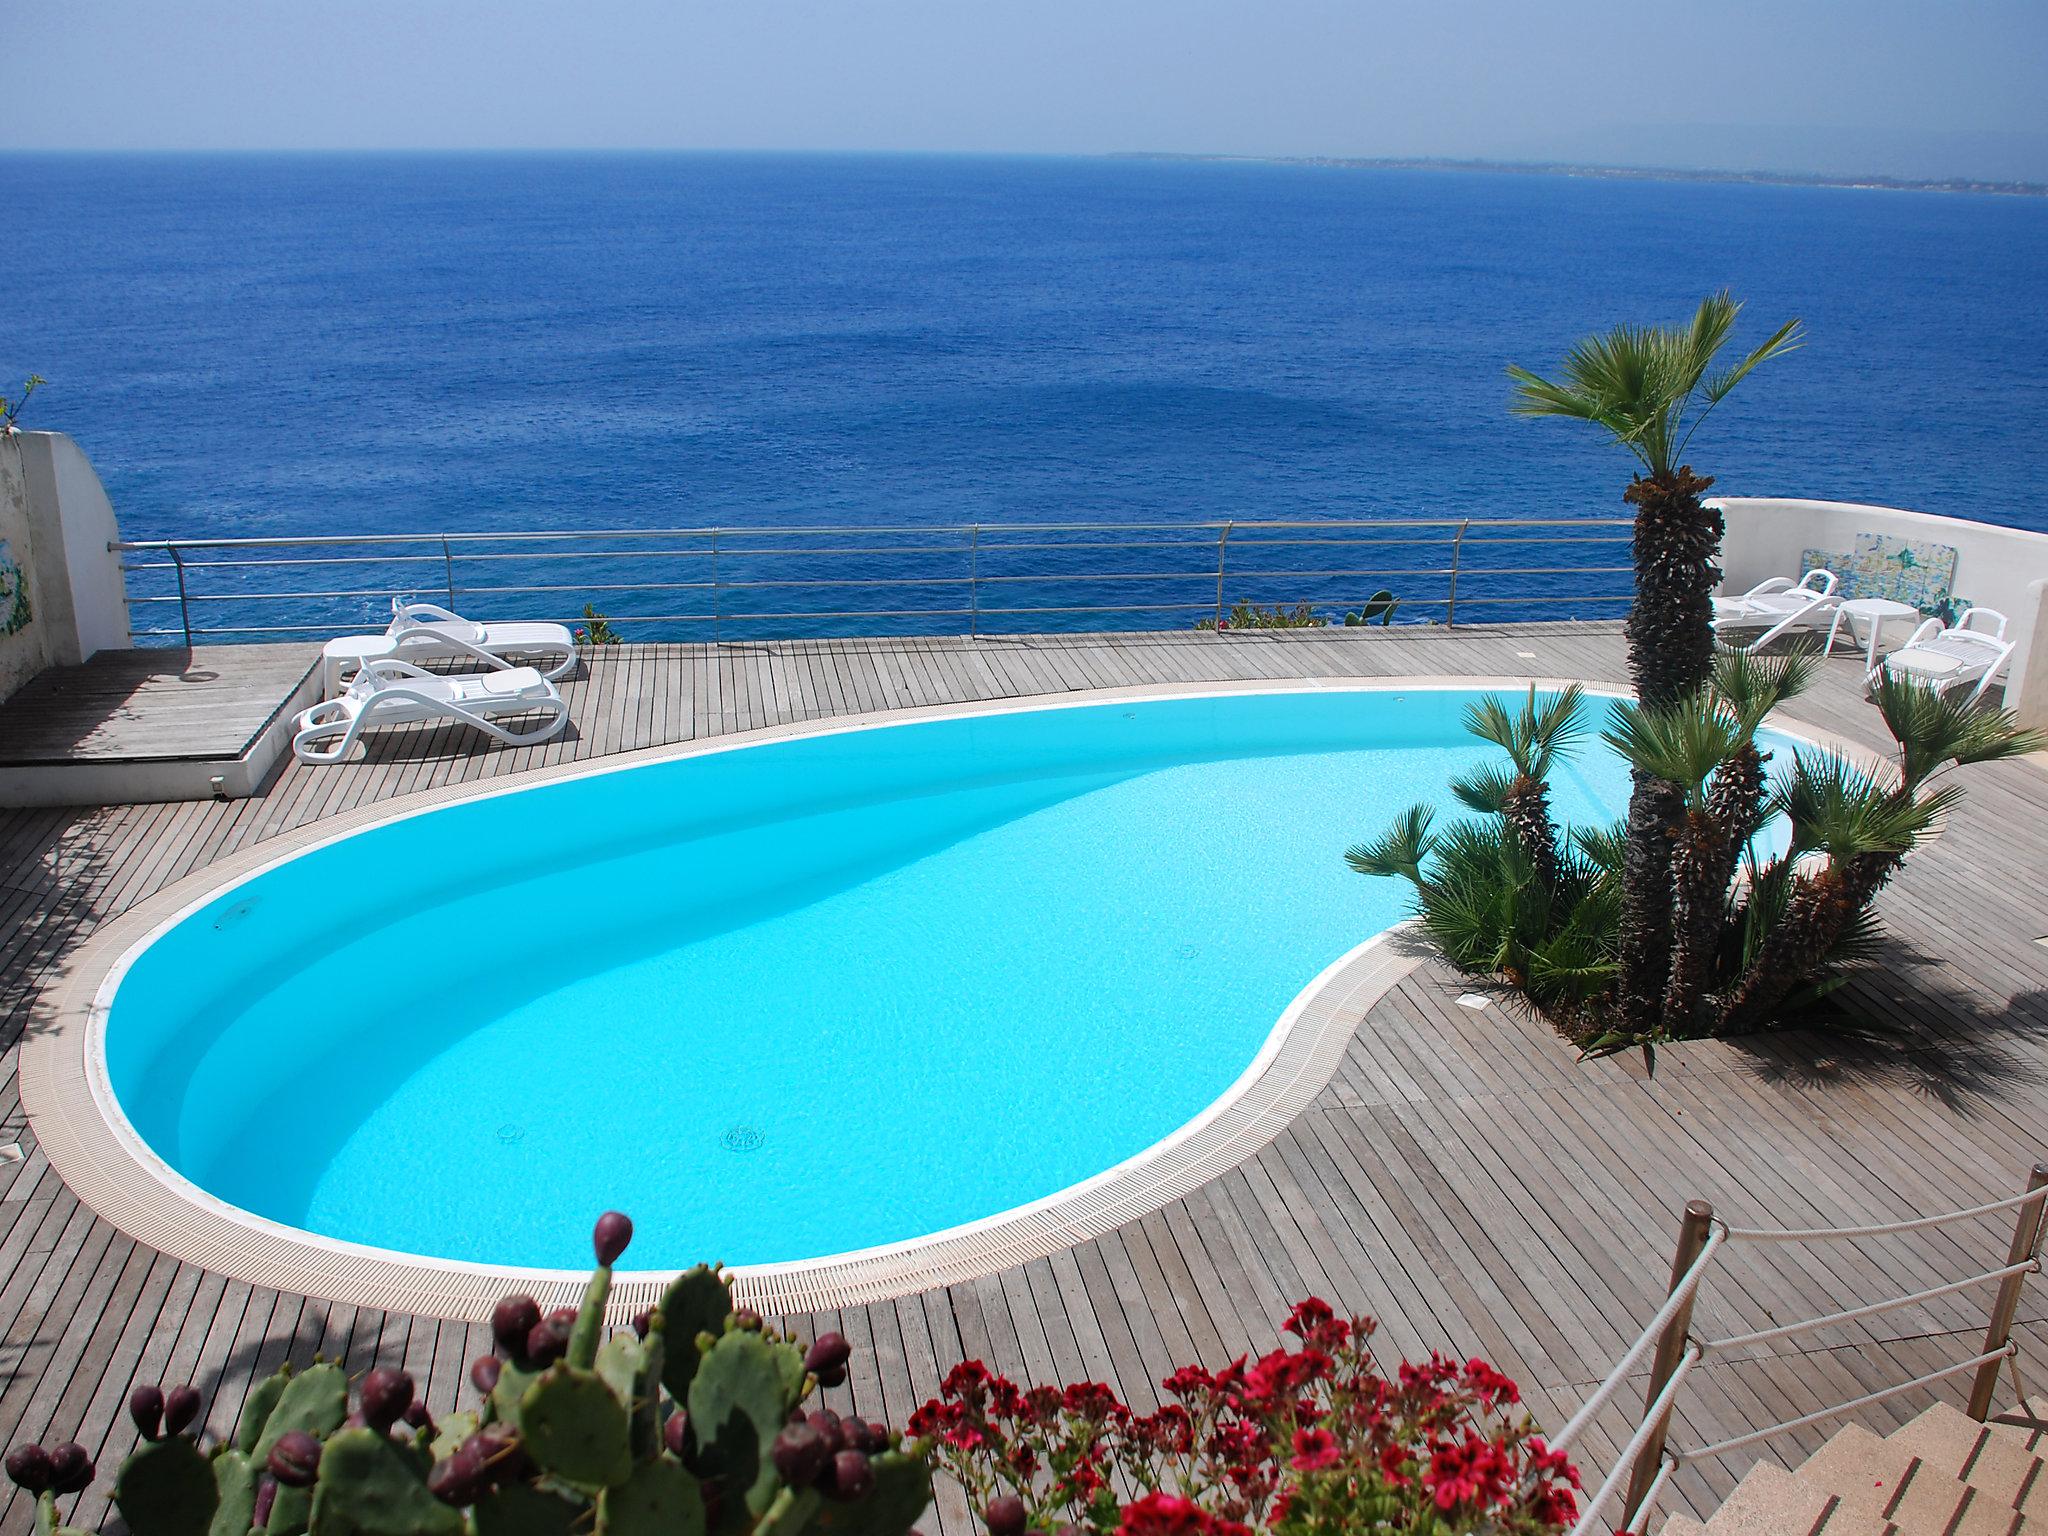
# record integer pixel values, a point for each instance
(783, 1001)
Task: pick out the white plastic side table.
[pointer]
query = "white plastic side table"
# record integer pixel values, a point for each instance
(1873, 611)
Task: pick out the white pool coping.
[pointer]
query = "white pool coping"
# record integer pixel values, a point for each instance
(81, 1128)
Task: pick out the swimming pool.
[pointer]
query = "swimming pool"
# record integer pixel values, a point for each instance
(783, 1000)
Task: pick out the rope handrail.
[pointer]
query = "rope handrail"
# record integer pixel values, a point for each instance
(1884, 1229)
(1874, 1309)
(1681, 1293)
(1722, 1447)
(1653, 1418)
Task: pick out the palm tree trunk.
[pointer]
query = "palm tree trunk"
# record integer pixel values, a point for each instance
(1671, 623)
(1655, 809)
(1699, 891)
(1526, 809)
(1670, 633)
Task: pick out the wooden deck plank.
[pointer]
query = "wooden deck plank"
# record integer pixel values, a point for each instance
(1463, 1177)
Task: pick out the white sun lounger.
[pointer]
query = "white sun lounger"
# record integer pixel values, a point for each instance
(387, 692)
(1778, 606)
(421, 632)
(1972, 650)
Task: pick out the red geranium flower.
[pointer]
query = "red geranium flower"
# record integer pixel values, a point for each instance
(1314, 1450)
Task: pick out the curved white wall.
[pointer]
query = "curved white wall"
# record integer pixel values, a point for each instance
(2002, 568)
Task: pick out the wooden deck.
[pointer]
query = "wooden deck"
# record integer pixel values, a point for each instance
(1462, 1177)
(152, 705)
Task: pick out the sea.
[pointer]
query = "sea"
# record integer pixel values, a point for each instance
(328, 344)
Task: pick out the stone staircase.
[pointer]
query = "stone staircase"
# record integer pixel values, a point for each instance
(1944, 1474)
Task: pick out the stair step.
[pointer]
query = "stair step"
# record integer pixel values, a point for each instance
(1943, 1439)
(1981, 1516)
(1866, 1472)
(1683, 1525)
(1769, 1501)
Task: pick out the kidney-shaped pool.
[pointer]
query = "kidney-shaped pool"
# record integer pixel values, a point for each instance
(785, 1000)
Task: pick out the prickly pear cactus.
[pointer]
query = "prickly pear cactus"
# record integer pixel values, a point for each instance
(692, 1424)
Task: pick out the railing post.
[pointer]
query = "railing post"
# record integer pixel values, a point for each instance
(184, 609)
(1692, 1236)
(1457, 559)
(1222, 558)
(2026, 1237)
(448, 571)
(974, 580)
(717, 597)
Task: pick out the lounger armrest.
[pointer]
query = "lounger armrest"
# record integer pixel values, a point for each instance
(1928, 629)
(408, 614)
(1766, 588)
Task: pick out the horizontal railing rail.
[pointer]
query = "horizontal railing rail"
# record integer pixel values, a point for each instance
(783, 581)
(1647, 1460)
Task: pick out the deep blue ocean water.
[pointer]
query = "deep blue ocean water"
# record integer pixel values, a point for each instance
(338, 344)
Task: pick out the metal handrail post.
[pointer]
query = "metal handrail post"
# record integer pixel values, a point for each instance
(717, 597)
(2026, 1239)
(1457, 557)
(184, 608)
(1692, 1237)
(448, 571)
(974, 580)
(1222, 559)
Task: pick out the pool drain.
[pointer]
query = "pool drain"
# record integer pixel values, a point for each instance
(511, 1133)
(742, 1138)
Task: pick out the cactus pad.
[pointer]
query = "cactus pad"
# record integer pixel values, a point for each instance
(166, 1489)
(256, 1409)
(903, 1489)
(659, 1499)
(234, 1480)
(736, 1410)
(369, 1487)
(576, 1427)
(520, 1509)
(695, 1302)
(315, 1400)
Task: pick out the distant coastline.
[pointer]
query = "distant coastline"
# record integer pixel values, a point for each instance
(1613, 172)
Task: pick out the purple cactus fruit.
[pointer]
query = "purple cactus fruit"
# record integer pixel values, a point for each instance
(675, 1434)
(799, 1453)
(146, 1408)
(827, 1424)
(181, 1407)
(70, 1468)
(266, 1496)
(874, 1438)
(1005, 1516)
(643, 1320)
(295, 1459)
(850, 1477)
(503, 1457)
(512, 1320)
(545, 1345)
(484, 1372)
(416, 1415)
(29, 1467)
(387, 1393)
(748, 1319)
(614, 1231)
(459, 1480)
(826, 1359)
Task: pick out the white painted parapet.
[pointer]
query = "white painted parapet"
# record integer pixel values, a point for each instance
(61, 593)
(1996, 567)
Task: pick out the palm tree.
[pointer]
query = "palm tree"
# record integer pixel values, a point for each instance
(1862, 826)
(1650, 387)
(1533, 737)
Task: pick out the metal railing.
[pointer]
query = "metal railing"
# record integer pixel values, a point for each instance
(1647, 1459)
(975, 579)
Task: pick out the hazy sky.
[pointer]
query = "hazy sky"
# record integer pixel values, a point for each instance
(1884, 85)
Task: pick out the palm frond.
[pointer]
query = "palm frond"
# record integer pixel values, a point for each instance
(1604, 847)
(1934, 729)
(1400, 850)
(1837, 808)
(1752, 685)
(1682, 742)
(1485, 790)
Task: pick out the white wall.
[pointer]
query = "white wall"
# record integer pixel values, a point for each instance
(2002, 568)
(25, 651)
